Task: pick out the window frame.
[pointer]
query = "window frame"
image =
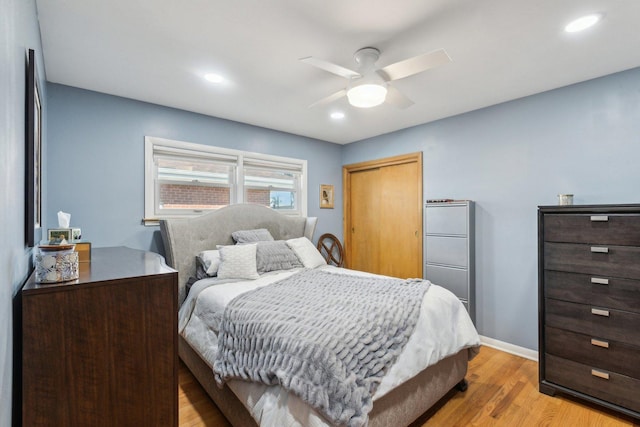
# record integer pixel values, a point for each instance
(236, 157)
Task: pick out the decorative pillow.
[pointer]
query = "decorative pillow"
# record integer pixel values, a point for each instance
(251, 236)
(238, 262)
(276, 255)
(210, 261)
(306, 252)
(200, 273)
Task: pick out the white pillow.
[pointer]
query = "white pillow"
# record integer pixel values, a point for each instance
(238, 262)
(210, 261)
(308, 254)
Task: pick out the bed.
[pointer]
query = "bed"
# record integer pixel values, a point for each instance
(407, 389)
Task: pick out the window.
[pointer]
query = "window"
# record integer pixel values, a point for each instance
(272, 184)
(185, 179)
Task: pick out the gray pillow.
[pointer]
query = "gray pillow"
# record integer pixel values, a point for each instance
(201, 273)
(276, 255)
(251, 236)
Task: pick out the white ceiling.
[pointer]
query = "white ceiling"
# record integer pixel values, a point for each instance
(158, 50)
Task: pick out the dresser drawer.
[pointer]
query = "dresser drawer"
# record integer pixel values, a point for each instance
(601, 322)
(609, 355)
(614, 261)
(616, 229)
(621, 294)
(618, 389)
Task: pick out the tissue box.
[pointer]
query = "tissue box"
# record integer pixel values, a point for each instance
(56, 263)
(68, 234)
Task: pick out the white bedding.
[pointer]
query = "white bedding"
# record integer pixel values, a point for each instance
(443, 329)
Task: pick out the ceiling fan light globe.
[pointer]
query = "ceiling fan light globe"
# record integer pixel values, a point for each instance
(367, 95)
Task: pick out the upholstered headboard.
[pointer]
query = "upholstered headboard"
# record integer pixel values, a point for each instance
(184, 238)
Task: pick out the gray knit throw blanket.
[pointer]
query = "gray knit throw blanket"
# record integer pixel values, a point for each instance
(329, 338)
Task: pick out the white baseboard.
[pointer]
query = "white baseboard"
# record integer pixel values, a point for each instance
(510, 348)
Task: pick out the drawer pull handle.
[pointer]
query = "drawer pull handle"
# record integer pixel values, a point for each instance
(600, 374)
(600, 218)
(599, 343)
(599, 250)
(599, 281)
(600, 312)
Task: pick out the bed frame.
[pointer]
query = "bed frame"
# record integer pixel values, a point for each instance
(184, 238)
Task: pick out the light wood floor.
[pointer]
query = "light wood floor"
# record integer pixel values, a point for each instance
(503, 392)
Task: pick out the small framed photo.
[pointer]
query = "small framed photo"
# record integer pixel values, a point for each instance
(57, 234)
(76, 234)
(326, 196)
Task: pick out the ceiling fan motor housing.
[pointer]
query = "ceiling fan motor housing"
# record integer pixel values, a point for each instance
(366, 58)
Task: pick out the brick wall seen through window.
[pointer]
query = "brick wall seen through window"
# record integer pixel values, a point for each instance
(174, 196)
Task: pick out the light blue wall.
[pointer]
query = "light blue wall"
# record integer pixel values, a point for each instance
(18, 32)
(96, 161)
(510, 158)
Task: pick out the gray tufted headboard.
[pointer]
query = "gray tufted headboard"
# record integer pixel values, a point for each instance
(184, 238)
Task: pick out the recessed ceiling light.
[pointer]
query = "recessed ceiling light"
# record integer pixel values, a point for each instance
(214, 78)
(337, 115)
(583, 23)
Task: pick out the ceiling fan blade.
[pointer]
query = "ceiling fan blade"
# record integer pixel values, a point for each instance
(397, 98)
(331, 67)
(330, 98)
(414, 65)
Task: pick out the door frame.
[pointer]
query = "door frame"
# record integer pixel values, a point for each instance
(347, 170)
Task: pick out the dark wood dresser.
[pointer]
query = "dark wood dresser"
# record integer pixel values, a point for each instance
(102, 350)
(589, 287)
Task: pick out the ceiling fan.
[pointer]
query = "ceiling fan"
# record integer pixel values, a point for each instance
(371, 86)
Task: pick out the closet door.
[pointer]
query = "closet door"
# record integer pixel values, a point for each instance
(400, 242)
(365, 198)
(383, 216)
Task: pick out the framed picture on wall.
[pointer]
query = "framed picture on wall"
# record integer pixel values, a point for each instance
(33, 154)
(326, 196)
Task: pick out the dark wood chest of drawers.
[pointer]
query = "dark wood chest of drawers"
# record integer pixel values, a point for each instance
(589, 304)
(102, 350)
